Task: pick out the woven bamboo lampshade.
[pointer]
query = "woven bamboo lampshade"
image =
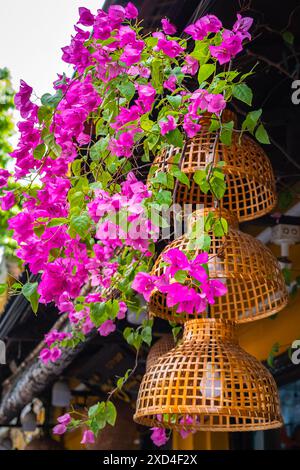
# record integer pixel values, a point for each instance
(255, 283)
(162, 346)
(249, 176)
(211, 381)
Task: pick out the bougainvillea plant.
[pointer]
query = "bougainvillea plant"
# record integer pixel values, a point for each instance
(88, 229)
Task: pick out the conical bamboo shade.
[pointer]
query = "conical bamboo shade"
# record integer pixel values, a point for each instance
(255, 284)
(209, 379)
(249, 175)
(163, 345)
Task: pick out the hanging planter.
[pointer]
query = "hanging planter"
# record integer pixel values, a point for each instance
(250, 191)
(162, 346)
(208, 383)
(251, 273)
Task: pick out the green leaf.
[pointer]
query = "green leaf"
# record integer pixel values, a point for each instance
(39, 151)
(288, 37)
(52, 145)
(175, 138)
(98, 150)
(29, 290)
(251, 120)
(112, 308)
(98, 313)
(220, 227)
(201, 52)
(217, 186)
(160, 178)
(164, 197)
(180, 276)
(76, 167)
(80, 224)
(44, 114)
(110, 413)
(157, 74)
(52, 100)
(146, 335)
(3, 288)
(127, 89)
(205, 71)
(180, 175)
(199, 176)
(96, 409)
(262, 135)
(243, 93)
(226, 132)
(57, 222)
(146, 123)
(75, 198)
(175, 101)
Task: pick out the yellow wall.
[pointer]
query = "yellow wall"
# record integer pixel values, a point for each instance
(258, 337)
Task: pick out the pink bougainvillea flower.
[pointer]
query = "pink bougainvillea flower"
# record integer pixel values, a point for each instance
(85, 17)
(122, 146)
(132, 53)
(242, 25)
(229, 47)
(59, 429)
(196, 269)
(22, 99)
(216, 103)
(45, 355)
(191, 128)
(107, 328)
(144, 72)
(4, 175)
(170, 48)
(64, 419)
(131, 12)
(146, 99)
(144, 284)
(213, 288)
(159, 436)
(116, 13)
(55, 353)
(88, 437)
(177, 260)
(186, 420)
(205, 25)
(191, 65)
(170, 84)
(8, 200)
(168, 28)
(122, 311)
(168, 125)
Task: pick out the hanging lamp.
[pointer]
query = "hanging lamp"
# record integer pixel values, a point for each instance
(250, 179)
(255, 283)
(162, 345)
(208, 383)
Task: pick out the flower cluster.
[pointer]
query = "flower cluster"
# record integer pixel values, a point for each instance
(85, 215)
(192, 293)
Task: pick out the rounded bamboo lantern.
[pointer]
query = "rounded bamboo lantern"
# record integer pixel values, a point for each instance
(255, 284)
(250, 180)
(163, 345)
(208, 383)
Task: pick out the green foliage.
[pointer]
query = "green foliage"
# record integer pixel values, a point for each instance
(29, 290)
(142, 334)
(243, 93)
(101, 414)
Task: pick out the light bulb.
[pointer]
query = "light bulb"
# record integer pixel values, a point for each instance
(61, 394)
(28, 421)
(210, 384)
